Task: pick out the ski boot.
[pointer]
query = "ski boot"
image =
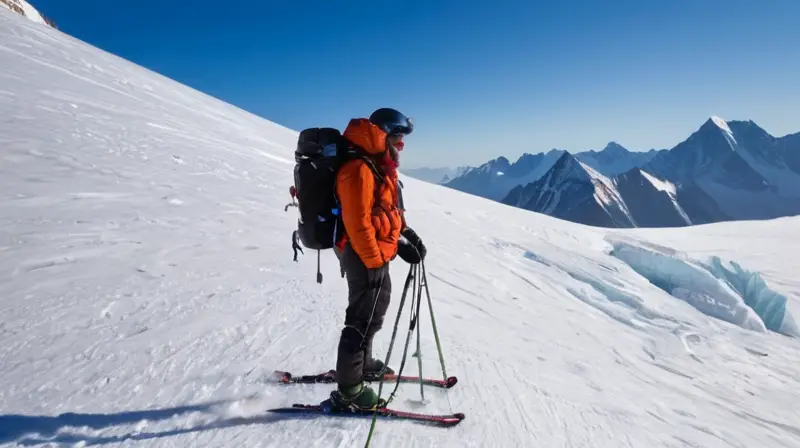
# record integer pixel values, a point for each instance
(356, 398)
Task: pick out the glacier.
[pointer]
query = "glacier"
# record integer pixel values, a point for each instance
(729, 293)
(771, 306)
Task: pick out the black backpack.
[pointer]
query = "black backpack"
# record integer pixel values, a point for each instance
(319, 155)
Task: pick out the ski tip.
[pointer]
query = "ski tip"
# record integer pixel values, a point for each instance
(450, 382)
(451, 420)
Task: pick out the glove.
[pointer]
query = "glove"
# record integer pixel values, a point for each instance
(408, 252)
(415, 241)
(375, 277)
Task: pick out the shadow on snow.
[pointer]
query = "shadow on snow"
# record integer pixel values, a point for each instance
(30, 430)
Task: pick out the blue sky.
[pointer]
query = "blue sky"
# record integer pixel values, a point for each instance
(481, 79)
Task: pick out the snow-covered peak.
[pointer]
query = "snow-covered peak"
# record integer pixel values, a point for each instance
(707, 150)
(501, 163)
(615, 149)
(25, 9)
(720, 123)
(569, 186)
(568, 167)
(715, 126)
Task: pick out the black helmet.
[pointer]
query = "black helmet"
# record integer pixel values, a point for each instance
(391, 121)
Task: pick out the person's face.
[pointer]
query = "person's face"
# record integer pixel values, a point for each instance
(396, 141)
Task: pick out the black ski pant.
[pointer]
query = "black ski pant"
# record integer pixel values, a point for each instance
(366, 309)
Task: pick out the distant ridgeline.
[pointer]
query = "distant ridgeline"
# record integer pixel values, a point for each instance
(725, 171)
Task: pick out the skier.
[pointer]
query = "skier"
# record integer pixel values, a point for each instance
(372, 213)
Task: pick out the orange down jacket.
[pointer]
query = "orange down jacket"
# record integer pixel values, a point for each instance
(372, 218)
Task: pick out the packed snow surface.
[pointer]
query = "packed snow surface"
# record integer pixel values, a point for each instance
(148, 291)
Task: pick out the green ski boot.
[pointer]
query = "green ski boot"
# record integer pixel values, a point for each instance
(357, 398)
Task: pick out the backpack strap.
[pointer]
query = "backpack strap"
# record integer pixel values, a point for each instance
(354, 152)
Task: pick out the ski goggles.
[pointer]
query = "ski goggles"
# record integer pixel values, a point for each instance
(403, 126)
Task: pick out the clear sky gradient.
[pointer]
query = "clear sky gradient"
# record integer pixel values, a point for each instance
(481, 79)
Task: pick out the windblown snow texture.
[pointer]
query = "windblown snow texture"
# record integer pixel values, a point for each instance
(148, 291)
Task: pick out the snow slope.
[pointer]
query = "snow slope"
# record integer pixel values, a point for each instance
(147, 291)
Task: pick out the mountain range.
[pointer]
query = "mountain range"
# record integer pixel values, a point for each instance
(726, 170)
(496, 178)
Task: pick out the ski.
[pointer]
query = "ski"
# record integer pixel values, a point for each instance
(330, 377)
(445, 420)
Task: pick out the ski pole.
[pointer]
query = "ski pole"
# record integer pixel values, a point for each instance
(412, 323)
(411, 275)
(419, 350)
(433, 321)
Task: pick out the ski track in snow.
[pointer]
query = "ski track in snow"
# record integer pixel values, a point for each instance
(147, 291)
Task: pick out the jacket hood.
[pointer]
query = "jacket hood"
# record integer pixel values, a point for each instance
(366, 135)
